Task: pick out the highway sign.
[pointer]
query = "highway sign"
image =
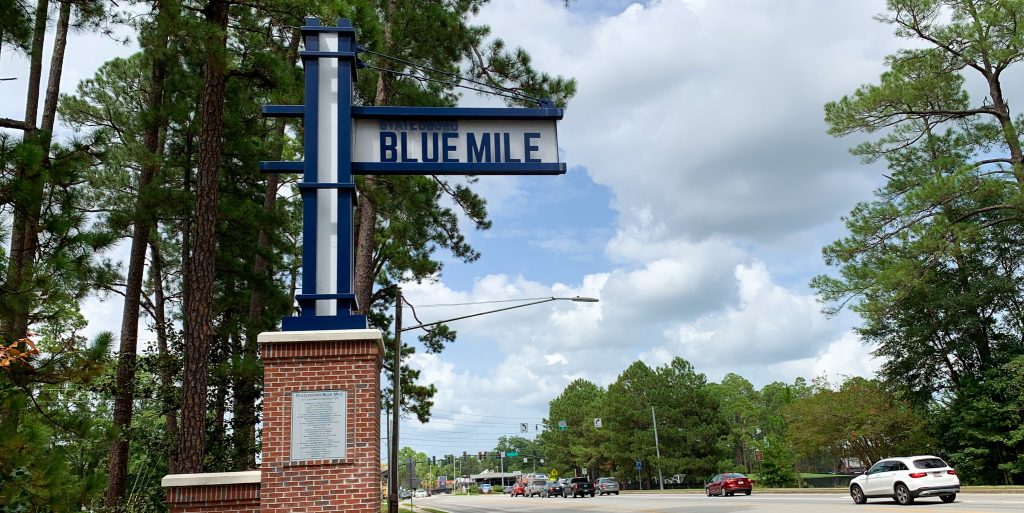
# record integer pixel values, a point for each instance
(511, 454)
(562, 426)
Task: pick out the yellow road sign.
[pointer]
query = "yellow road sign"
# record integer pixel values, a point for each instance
(554, 473)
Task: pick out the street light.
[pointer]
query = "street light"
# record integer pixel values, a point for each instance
(396, 383)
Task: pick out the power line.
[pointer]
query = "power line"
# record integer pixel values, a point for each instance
(521, 95)
(443, 82)
(479, 302)
(455, 431)
(467, 423)
(489, 416)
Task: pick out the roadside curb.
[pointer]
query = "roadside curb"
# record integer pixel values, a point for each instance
(842, 491)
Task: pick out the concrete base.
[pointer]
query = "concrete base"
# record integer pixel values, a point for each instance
(225, 492)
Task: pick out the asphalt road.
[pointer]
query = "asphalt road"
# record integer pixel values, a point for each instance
(690, 503)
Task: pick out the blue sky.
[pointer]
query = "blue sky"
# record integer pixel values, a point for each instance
(701, 188)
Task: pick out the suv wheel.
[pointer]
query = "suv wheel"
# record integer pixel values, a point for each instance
(858, 495)
(948, 498)
(902, 495)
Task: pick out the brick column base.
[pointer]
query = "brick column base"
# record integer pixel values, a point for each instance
(309, 361)
(225, 492)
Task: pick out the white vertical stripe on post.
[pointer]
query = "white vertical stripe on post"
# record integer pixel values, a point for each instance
(327, 172)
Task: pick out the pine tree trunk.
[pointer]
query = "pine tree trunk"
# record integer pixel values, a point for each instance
(21, 255)
(60, 42)
(199, 314)
(35, 71)
(366, 236)
(168, 402)
(246, 386)
(364, 278)
(124, 397)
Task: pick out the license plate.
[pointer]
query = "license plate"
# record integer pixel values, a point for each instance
(741, 481)
(937, 474)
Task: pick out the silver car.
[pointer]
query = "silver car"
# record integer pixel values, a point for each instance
(606, 485)
(537, 487)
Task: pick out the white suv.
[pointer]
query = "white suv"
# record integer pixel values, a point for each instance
(905, 479)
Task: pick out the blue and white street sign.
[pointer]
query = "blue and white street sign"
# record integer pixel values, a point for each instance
(639, 465)
(341, 140)
(455, 141)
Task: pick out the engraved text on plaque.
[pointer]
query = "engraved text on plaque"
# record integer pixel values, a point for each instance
(318, 425)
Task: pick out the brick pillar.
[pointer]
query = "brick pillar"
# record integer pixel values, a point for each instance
(224, 492)
(296, 365)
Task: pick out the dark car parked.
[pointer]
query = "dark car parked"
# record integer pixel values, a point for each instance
(728, 484)
(580, 486)
(553, 489)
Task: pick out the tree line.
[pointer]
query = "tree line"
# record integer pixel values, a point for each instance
(778, 432)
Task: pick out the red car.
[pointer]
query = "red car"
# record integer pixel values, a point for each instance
(729, 484)
(518, 489)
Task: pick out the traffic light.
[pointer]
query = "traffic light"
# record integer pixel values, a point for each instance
(433, 460)
(464, 455)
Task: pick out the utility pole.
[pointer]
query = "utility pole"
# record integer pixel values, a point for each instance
(657, 450)
(396, 405)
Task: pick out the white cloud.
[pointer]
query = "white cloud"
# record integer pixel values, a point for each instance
(707, 116)
(770, 324)
(843, 357)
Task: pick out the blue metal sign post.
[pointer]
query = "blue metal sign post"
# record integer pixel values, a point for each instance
(341, 140)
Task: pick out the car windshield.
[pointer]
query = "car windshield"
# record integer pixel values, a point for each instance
(540, 482)
(929, 463)
(734, 475)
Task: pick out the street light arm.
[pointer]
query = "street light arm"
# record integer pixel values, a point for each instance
(576, 299)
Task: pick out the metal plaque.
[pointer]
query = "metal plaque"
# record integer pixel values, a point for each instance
(319, 425)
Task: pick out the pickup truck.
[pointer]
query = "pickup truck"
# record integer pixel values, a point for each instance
(580, 487)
